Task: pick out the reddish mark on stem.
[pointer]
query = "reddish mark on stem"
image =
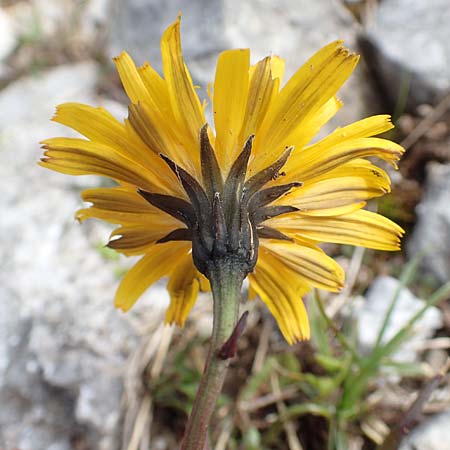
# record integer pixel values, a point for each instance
(229, 348)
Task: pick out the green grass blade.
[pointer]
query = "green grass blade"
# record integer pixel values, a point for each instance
(406, 278)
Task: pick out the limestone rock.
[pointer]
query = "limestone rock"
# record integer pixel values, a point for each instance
(408, 48)
(432, 434)
(63, 346)
(371, 315)
(432, 231)
(292, 29)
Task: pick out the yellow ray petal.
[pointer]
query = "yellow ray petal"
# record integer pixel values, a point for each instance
(204, 282)
(99, 125)
(364, 128)
(81, 157)
(251, 291)
(350, 184)
(312, 265)
(131, 80)
(183, 287)
(370, 126)
(163, 177)
(158, 262)
(156, 87)
(264, 86)
(303, 134)
(186, 106)
(136, 239)
(281, 290)
(230, 98)
(319, 159)
(161, 137)
(277, 66)
(362, 228)
(124, 206)
(179, 138)
(156, 106)
(357, 167)
(304, 94)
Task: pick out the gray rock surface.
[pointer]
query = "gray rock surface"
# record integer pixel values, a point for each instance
(8, 41)
(432, 231)
(408, 47)
(63, 346)
(202, 28)
(7, 35)
(371, 315)
(432, 434)
(292, 29)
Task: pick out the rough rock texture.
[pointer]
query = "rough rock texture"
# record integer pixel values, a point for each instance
(202, 29)
(63, 347)
(373, 311)
(408, 48)
(432, 231)
(432, 434)
(292, 29)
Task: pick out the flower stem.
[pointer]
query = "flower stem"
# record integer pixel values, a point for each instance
(226, 279)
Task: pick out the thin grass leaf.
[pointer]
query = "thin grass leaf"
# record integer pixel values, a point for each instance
(315, 409)
(340, 336)
(319, 329)
(442, 293)
(412, 369)
(406, 278)
(329, 363)
(355, 386)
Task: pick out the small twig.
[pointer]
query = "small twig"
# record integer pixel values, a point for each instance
(293, 441)
(341, 338)
(138, 422)
(161, 353)
(425, 124)
(440, 343)
(263, 347)
(351, 276)
(368, 14)
(268, 399)
(141, 422)
(395, 437)
(224, 436)
(133, 388)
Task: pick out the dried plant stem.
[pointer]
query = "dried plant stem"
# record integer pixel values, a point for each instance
(395, 437)
(226, 281)
(428, 121)
(289, 428)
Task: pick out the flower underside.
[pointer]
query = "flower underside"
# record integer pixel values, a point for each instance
(224, 219)
(187, 195)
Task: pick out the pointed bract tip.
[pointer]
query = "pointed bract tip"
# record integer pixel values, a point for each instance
(229, 348)
(249, 141)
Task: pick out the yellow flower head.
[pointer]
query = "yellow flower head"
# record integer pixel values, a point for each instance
(254, 189)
